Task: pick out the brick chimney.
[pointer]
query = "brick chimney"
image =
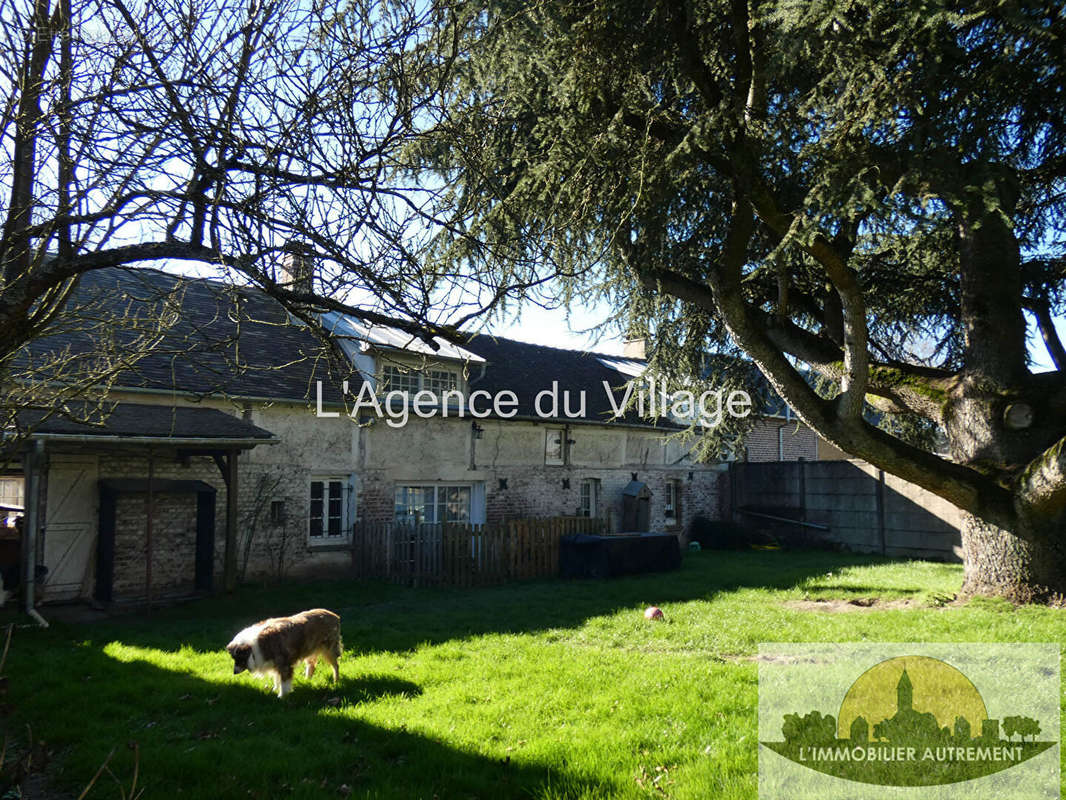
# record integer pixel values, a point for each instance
(634, 348)
(297, 269)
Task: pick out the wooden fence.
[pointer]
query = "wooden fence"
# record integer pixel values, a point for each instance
(463, 555)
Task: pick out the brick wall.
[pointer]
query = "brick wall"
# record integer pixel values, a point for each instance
(780, 440)
(173, 523)
(274, 549)
(173, 544)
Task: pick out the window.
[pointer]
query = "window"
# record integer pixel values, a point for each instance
(11, 491)
(672, 509)
(11, 496)
(398, 379)
(434, 503)
(440, 381)
(555, 446)
(330, 516)
(411, 381)
(590, 498)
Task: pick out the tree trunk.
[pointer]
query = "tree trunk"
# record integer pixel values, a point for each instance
(1025, 561)
(1001, 564)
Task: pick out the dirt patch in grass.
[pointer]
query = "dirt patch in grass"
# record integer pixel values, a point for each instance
(837, 606)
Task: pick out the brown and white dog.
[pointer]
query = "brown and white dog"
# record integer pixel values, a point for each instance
(274, 646)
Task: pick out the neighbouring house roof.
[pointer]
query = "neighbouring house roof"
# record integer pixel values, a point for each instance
(168, 425)
(220, 340)
(528, 369)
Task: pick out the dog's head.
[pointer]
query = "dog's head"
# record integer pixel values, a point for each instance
(241, 652)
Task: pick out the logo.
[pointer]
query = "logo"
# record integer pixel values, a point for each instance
(941, 720)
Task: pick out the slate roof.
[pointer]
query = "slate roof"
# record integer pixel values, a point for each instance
(241, 343)
(137, 420)
(225, 340)
(527, 369)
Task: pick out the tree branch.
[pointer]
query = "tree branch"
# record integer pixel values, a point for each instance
(1041, 487)
(856, 338)
(1042, 311)
(960, 485)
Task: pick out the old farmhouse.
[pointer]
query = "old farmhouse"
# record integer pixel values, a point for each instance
(230, 450)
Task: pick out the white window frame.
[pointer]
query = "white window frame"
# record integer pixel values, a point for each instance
(436, 487)
(347, 509)
(437, 380)
(593, 509)
(408, 376)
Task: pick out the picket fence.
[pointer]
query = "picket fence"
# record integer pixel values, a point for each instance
(463, 555)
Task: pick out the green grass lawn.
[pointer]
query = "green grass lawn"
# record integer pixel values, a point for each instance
(537, 690)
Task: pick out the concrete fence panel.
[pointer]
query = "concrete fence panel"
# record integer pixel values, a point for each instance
(864, 509)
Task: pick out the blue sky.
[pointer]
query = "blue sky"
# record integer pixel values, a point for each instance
(541, 326)
(1041, 361)
(552, 327)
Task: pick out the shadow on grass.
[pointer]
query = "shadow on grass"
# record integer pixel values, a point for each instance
(211, 738)
(203, 738)
(847, 589)
(368, 688)
(349, 690)
(377, 616)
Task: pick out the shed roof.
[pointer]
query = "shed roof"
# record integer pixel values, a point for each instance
(167, 424)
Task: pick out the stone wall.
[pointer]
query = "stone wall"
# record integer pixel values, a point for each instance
(508, 459)
(518, 492)
(375, 459)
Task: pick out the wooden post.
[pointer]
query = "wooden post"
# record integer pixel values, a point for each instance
(387, 547)
(416, 557)
(881, 511)
(33, 466)
(149, 517)
(447, 536)
(230, 557)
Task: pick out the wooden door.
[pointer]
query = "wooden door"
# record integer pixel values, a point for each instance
(70, 525)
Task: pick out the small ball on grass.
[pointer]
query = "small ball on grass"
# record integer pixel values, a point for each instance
(653, 613)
